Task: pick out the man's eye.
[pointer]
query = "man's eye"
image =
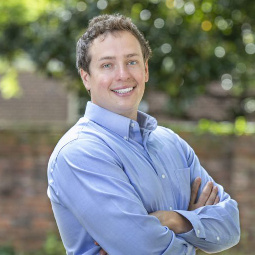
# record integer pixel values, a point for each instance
(132, 62)
(107, 66)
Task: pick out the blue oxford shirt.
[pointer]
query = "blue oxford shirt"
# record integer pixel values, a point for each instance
(108, 172)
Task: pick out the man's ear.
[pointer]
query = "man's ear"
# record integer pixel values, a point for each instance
(86, 79)
(146, 71)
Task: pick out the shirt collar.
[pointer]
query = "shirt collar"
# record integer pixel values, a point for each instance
(146, 121)
(118, 123)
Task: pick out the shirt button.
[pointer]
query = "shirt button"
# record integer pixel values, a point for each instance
(163, 176)
(198, 232)
(51, 169)
(51, 181)
(125, 137)
(171, 208)
(218, 238)
(132, 124)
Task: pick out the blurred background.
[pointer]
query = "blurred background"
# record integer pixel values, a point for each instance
(202, 85)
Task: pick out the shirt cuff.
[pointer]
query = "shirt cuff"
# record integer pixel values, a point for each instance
(198, 229)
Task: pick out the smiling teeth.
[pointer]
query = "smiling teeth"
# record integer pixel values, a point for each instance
(123, 91)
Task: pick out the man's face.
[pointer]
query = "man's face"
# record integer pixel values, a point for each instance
(117, 73)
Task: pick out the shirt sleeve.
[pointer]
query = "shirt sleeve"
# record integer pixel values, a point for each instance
(93, 186)
(215, 227)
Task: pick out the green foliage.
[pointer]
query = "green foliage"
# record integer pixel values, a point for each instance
(239, 127)
(7, 250)
(9, 86)
(193, 42)
(53, 246)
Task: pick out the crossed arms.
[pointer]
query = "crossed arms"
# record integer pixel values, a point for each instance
(179, 224)
(175, 221)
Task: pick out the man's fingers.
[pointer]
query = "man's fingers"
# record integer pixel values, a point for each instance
(209, 195)
(205, 194)
(217, 200)
(194, 190)
(212, 196)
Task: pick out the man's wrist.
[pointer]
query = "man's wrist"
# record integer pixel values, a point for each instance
(174, 221)
(178, 223)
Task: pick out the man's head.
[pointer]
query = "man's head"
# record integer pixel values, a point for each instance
(102, 25)
(112, 58)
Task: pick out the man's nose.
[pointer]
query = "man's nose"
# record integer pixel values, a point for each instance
(123, 72)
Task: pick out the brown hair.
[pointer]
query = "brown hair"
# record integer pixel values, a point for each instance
(101, 25)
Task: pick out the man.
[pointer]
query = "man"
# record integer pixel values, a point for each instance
(120, 184)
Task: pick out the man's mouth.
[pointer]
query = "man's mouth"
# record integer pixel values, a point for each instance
(123, 91)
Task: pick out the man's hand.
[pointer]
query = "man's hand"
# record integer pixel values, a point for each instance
(208, 196)
(178, 223)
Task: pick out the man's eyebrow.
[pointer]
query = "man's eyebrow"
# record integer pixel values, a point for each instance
(112, 57)
(132, 55)
(106, 58)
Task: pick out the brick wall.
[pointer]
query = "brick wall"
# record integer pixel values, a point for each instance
(25, 213)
